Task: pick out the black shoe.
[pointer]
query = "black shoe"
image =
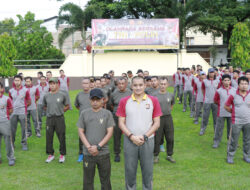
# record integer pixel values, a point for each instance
(117, 158)
(230, 160)
(170, 159)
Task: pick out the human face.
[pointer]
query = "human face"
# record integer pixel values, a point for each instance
(203, 77)
(92, 85)
(1, 90)
(122, 85)
(235, 75)
(140, 74)
(187, 71)
(231, 69)
(98, 84)
(103, 82)
(163, 85)
(243, 86)
(138, 86)
(96, 103)
(226, 72)
(248, 76)
(155, 82)
(130, 75)
(53, 86)
(28, 82)
(148, 83)
(85, 85)
(39, 75)
(17, 82)
(226, 82)
(146, 73)
(43, 80)
(211, 75)
(48, 75)
(62, 73)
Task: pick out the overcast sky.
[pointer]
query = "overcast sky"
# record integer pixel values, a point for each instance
(42, 8)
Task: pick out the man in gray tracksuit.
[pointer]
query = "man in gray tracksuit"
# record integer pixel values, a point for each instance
(220, 97)
(198, 96)
(32, 109)
(240, 110)
(176, 79)
(21, 100)
(181, 85)
(5, 131)
(209, 87)
(63, 82)
(187, 86)
(43, 88)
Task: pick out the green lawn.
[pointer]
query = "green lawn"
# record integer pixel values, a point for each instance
(198, 166)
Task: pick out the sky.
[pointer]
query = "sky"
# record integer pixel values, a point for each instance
(41, 8)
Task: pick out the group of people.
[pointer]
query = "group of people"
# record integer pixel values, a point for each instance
(225, 93)
(139, 107)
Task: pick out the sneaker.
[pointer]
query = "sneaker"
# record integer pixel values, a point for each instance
(24, 147)
(11, 162)
(80, 158)
(184, 110)
(117, 158)
(170, 159)
(38, 134)
(156, 159)
(50, 158)
(230, 160)
(247, 160)
(61, 158)
(215, 145)
(162, 149)
(196, 122)
(201, 133)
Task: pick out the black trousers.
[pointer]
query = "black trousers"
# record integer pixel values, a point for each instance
(55, 124)
(167, 129)
(117, 136)
(104, 169)
(80, 146)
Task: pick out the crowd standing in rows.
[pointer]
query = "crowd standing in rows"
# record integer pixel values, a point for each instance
(137, 106)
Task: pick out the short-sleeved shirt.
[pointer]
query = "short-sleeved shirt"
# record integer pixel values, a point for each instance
(34, 94)
(5, 106)
(19, 99)
(63, 82)
(82, 101)
(139, 115)
(198, 91)
(209, 87)
(116, 96)
(187, 82)
(240, 108)
(55, 103)
(95, 125)
(43, 90)
(166, 101)
(220, 97)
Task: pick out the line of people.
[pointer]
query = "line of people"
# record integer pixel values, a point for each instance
(225, 93)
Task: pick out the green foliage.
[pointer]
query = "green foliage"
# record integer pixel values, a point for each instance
(240, 45)
(7, 55)
(7, 25)
(33, 41)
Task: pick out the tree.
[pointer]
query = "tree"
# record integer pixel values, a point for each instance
(33, 41)
(7, 55)
(240, 45)
(220, 16)
(7, 25)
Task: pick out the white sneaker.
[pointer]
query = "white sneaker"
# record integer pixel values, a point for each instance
(50, 158)
(61, 158)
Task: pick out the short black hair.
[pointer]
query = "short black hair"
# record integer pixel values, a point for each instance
(1, 85)
(216, 69)
(247, 71)
(164, 78)
(97, 79)
(49, 72)
(18, 76)
(122, 78)
(26, 78)
(103, 78)
(43, 77)
(137, 77)
(236, 71)
(40, 73)
(187, 69)
(129, 72)
(243, 78)
(155, 77)
(178, 68)
(61, 70)
(226, 76)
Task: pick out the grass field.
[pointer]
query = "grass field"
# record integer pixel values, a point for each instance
(198, 166)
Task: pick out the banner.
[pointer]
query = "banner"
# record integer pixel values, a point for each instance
(135, 33)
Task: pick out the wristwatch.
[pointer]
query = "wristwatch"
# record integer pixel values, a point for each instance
(145, 138)
(99, 148)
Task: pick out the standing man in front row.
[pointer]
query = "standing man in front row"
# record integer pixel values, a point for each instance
(240, 110)
(166, 128)
(95, 128)
(139, 118)
(56, 103)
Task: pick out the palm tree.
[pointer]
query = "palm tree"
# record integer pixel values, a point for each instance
(73, 16)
